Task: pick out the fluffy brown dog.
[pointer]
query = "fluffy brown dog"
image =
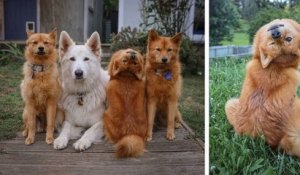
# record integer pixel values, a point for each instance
(125, 121)
(163, 81)
(40, 87)
(268, 104)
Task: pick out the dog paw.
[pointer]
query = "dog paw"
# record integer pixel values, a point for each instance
(82, 145)
(25, 133)
(148, 138)
(60, 143)
(177, 125)
(29, 141)
(49, 140)
(170, 136)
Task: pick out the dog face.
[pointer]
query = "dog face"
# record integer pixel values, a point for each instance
(79, 61)
(40, 45)
(126, 61)
(278, 42)
(163, 50)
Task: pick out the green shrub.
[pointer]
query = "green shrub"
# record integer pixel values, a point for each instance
(9, 52)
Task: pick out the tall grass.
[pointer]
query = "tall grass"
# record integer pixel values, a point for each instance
(230, 153)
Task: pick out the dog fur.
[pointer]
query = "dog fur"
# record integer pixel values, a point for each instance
(163, 81)
(268, 104)
(83, 98)
(125, 120)
(40, 89)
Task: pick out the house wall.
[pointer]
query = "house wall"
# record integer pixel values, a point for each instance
(129, 14)
(65, 15)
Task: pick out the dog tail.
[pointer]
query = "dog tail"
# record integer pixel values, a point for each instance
(130, 146)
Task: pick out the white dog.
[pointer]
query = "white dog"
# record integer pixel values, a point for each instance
(83, 98)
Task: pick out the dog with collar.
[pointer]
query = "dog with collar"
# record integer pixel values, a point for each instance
(83, 97)
(40, 88)
(163, 81)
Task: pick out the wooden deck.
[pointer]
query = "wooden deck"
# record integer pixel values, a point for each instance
(184, 155)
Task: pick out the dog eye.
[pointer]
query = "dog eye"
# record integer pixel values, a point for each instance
(72, 59)
(288, 39)
(170, 49)
(157, 49)
(34, 42)
(46, 42)
(86, 59)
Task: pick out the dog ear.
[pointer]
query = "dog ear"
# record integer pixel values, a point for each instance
(177, 38)
(264, 59)
(152, 35)
(113, 68)
(65, 42)
(53, 34)
(29, 33)
(94, 43)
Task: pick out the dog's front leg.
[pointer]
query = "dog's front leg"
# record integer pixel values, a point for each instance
(151, 116)
(51, 115)
(90, 136)
(29, 117)
(172, 109)
(62, 140)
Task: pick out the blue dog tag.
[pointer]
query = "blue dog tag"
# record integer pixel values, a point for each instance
(168, 75)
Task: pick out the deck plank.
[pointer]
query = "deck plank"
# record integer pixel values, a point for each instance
(184, 155)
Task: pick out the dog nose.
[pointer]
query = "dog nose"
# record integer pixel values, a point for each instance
(41, 49)
(78, 73)
(276, 34)
(132, 54)
(164, 59)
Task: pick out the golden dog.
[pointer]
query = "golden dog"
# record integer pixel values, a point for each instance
(40, 87)
(163, 81)
(268, 104)
(125, 121)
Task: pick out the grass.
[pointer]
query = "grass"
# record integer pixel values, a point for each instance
(11, 105)
(230, 153)
(240, 36)
(191, 103)
(239, 39)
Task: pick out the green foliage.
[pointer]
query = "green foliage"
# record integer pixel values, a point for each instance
(229, 152)
(169, 16)
(129, 38)
(10, 51)
(224, 18)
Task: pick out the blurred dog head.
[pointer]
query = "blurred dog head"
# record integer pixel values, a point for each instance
(126, 62)
(163, 50)
(39, 46)
(278, 43)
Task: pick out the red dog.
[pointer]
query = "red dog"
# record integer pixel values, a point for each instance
(125, 121)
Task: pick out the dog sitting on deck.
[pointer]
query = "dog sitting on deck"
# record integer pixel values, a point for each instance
(163, 81)
(40, 88)
(268, 104)
(125, 121)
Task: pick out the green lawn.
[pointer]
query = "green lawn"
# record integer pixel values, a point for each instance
(239, 39)
(11, 105)
(192, 103)
(230, 153)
